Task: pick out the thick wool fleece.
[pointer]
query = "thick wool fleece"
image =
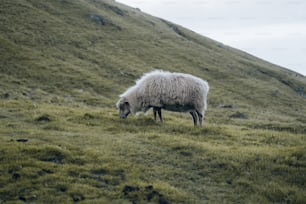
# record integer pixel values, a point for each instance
(170, 91)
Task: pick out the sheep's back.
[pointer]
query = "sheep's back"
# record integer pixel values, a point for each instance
(171, 89)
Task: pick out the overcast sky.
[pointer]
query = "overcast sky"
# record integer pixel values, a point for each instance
(272, 30)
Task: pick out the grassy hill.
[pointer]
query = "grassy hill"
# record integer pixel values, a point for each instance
(62, 66)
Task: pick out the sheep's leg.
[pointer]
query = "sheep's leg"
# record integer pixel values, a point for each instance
(158, 110)
(200, 117)
(195, 117)
(154, 112)
(160, 115)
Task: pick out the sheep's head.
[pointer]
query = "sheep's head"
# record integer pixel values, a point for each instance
(124, 107)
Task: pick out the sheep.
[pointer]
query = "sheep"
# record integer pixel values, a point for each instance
(165, 90)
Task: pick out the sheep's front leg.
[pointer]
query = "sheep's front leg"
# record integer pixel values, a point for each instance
(158, 110)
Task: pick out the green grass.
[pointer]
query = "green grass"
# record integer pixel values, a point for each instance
(61, 140)
(88, 154)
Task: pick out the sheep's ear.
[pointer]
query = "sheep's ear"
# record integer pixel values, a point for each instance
(122, 99)
(118, 104)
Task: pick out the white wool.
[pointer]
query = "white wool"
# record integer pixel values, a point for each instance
(171, 91)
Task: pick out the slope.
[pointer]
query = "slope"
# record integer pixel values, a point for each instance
(102, 47)
(63, 65)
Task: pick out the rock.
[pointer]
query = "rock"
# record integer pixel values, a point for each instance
(77, 198)
(146, 193)
(88, 116)
(43, 118)
(153, 194)
(230, 106)
(239, 115)
(127, 189)
(15, 176)
(98, 19)
(116, 10)
(149, 188)
(62, 188)
(6, 96)
(3, 116)
(301, 91)
(229, 181)
(21, 140)
(23, 198)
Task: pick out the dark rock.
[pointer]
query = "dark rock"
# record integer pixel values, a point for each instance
(127, 189)
(57, 159)
(22, 140)
(119, 174)
(15, 176)
(275, 93)
(88, 116)
(230, 106)
(149, 188)
(103, 22)
(153, 194)
(163, 201)
(62, 188)
(3, 116)
(205, 69)
(22, 198)
(43, 118)
(54, 156)
(186, 154)
(301, 91)
(150, 195)
(77, 198)
(116, 10)
(239, 115)
(220, 45)
(6, 95)
(44, 172)
(98, 19)
(286, 82)
(99, 172)
(175, 28)
(229, 181)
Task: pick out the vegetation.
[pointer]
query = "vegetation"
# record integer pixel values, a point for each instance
(56, 153)
(63, 64)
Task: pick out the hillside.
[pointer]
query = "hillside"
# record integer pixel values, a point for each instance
(63, 64)
(101, 47)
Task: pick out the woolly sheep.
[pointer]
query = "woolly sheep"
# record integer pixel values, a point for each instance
(164, 90)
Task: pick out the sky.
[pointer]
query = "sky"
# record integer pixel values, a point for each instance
(272, 30)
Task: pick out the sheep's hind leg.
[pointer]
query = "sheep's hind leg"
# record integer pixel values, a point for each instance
(154, 113)
(194, 117)
(200, 117)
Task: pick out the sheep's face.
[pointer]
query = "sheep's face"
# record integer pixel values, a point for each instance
(124, 108)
